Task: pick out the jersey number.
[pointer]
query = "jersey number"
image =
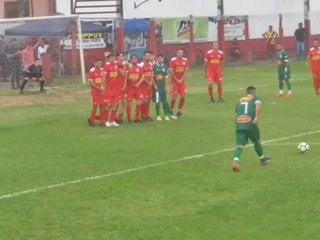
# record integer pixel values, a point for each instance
(245, 107)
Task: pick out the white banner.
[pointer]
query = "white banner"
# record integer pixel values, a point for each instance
(168, 8)
(263, 7)
(87, 43)
(314, 5)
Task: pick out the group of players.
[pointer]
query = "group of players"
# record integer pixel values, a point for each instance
(117, 83)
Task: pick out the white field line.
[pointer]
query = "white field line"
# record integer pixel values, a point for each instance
(136, 169)
(289, 144)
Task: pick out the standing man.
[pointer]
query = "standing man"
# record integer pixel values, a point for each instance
(146, 86)
(213, 63)
(300, 35)
(134, 78)
(3, 58)
(14, 57)
(178, 67)
(123, 91)
(160, 89)
(313, 60)
(283, 70)
(247, 117)
(270, 35)
(112, 90)
(42, 49)
(34, 73)
(95, 78)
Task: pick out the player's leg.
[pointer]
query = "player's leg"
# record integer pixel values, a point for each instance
(129, 104)
(210, 85)
(24, 83)
(138, 97)
(288, 82)
(156, 100)
(122, 107)
(95, 104)
(42, 86)
(241, 141)
(316, 77)
(114, 106)
(280, 79)
(254, 136)
(107, 110)
(182, 92)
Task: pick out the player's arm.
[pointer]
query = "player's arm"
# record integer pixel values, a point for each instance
(308, 60)
(183, 76)
(205, 66)
(141, 80)
(173, 74)
(125, 81)
(38, 43)
(258, 110)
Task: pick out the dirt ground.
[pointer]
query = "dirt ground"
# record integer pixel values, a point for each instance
(54, 95)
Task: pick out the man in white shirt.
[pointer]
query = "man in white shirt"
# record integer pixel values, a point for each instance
(42, 49)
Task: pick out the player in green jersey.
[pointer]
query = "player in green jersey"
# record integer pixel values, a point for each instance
(160, 88)
(283, 70)
(247, 116)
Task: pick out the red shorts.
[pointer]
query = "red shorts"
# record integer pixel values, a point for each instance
(146, 92)
(123, 95)
(177, 89)
(134, 93)
(97, 98)
(214, 76)
(111, 97)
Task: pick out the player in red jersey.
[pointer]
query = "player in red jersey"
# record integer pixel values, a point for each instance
(123, 65)
(146, 86)
(112, 90)
(178, 67)
(95, 78)
(213, 70)
(134, 78)
(313, 60)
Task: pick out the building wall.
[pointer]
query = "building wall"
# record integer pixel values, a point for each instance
(37, 8)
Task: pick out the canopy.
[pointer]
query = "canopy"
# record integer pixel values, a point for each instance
(52, 28)
(136, 25)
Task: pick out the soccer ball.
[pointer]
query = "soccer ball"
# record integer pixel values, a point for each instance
(303, 147)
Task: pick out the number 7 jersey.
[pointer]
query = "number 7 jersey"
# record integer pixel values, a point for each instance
(246, 112)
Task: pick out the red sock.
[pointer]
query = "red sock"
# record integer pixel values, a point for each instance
(220, 92)
(181, 103)
(148, 109)
(113, 115)
(138, 112)
(172, 103)
(143, 110)
(128, 109)
(93, 115)
(210, 90)
(106, 115)
(98, 116)
(316, 84)
(120, 116)
(102, 115)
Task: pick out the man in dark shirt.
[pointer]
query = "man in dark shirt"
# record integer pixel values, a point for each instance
(34, 73)
(14, 57)
(3, 58)
(300, 35)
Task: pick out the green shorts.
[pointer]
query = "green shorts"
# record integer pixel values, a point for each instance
(159, 96)
(243, 135)
(284, 77)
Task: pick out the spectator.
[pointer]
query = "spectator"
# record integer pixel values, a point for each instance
(270, 35)
(3, 58)
(14, 57)
(28, 54)
(300, 35)
(42, 49)
(235, 52)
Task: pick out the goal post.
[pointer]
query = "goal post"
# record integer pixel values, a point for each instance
(62, 38)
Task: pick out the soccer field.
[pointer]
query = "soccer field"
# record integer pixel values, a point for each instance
(61, 179)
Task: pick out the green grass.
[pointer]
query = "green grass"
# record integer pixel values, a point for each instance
(163, 194)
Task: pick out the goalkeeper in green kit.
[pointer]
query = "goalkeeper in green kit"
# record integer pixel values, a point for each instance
(283, 70)
(160, 88)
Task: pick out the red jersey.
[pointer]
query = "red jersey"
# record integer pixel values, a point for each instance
(214, 60)
(179, 66)
(112, 74)
(147, 69)
(314, 56)
(95, 76)
(134, 75)
(122, 65)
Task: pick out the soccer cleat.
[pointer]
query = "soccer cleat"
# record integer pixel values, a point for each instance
(279, 95)
(108, 124)
(90, 123)
(179, 114)
(316, 94)
(220, 100)
(235, 167)
(212, 100)
(114, 124)
(166, 118)
(149, 119)
(129, 121)
(137, 121)
(159, 118)
(119, 121)
(264, 161)
(289, 95)
(173, 117)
